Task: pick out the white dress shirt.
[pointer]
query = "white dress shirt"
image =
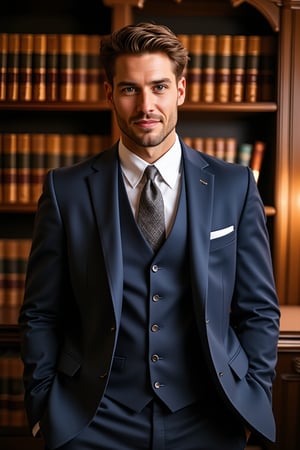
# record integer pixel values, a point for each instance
(168, 179)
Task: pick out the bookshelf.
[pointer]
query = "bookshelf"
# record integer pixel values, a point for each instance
(273, 121)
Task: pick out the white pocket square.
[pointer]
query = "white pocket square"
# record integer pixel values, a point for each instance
(221, 232)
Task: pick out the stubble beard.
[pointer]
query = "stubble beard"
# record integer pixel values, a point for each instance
(147, 138)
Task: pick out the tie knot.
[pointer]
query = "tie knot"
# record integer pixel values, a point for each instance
(150, 172)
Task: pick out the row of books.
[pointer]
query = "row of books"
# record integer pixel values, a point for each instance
(230, 68)
(13, 263)
(26, 158)
(50, 67)
(12, 412)
(66, 67)
(246, 153)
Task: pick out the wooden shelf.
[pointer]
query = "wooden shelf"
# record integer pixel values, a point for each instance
(18, 208)
(103, 106)
(230, 107)
(54, 106)
(290, 320)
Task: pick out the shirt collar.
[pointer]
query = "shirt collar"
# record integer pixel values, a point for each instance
(168, 165)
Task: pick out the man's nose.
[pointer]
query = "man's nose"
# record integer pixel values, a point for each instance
(146, 101)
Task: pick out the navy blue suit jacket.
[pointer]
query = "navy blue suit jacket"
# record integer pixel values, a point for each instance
(72, 307)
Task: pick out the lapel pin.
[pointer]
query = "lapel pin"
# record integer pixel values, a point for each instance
(203, 182)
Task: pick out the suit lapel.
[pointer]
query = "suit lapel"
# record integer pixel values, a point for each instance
(199, 192)
(103, 185)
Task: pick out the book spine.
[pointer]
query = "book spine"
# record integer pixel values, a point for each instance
(2, 275)
(80, 67)
(252, 68)
(52, 151)
(238, 68)
(230, 150)
(24, 246)
(101, 81)
(9, 171)
(12, 86)
(220, 148)
(194, 77)
(68, 149)
(25, 67)
(4, 390)
(17, 416)
(11, 273)
(95, 77)
(185, 42)
(209, 67)
(13, 263)
(257, 158)
(244, 154)
(1, 168)
(188, 141)
(198, 144)
(23, 167)
(3, 64)
(66, 67)
(52, 52)
(96, 144)
(267, 68)
(39, 67)
(223, 68)
(209, 146)
(37, 165)
(81, 147)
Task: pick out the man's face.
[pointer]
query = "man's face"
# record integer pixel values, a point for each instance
(145, 96)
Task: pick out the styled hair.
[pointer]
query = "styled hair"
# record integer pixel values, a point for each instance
(139, 39)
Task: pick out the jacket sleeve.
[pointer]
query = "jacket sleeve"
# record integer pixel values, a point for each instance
(255, 311)
(41, 315)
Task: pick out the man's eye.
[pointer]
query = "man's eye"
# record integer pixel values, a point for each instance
(160, 88)
(128, 90)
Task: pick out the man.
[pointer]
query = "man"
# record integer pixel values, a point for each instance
(134, 343)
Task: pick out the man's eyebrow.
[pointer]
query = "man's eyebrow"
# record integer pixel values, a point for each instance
(132, 83)
(126, 83)
(163, 80)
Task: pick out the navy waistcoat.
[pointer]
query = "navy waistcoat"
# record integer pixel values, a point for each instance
(157, 353)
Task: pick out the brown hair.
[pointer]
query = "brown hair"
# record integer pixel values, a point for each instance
(142, 38)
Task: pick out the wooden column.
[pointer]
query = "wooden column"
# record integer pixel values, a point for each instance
(287, 182)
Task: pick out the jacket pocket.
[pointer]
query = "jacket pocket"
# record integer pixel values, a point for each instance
(68, 364)
(222, 241)
(239, 363)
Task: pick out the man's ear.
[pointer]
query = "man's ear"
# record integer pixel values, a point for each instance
(181, 88)
(108, 92)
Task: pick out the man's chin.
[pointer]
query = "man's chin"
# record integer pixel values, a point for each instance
(149, 140)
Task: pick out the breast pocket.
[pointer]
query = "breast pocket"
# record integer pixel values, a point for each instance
(221, 240)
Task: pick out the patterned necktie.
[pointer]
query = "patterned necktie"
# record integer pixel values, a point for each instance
(151, 211)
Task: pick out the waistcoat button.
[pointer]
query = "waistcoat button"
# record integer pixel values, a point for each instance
(154, 328)
(157, 384)
(154, 358)
(154, 268)
(155, 298)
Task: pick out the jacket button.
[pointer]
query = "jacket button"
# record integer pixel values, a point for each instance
(154, 268)
(157, 385)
